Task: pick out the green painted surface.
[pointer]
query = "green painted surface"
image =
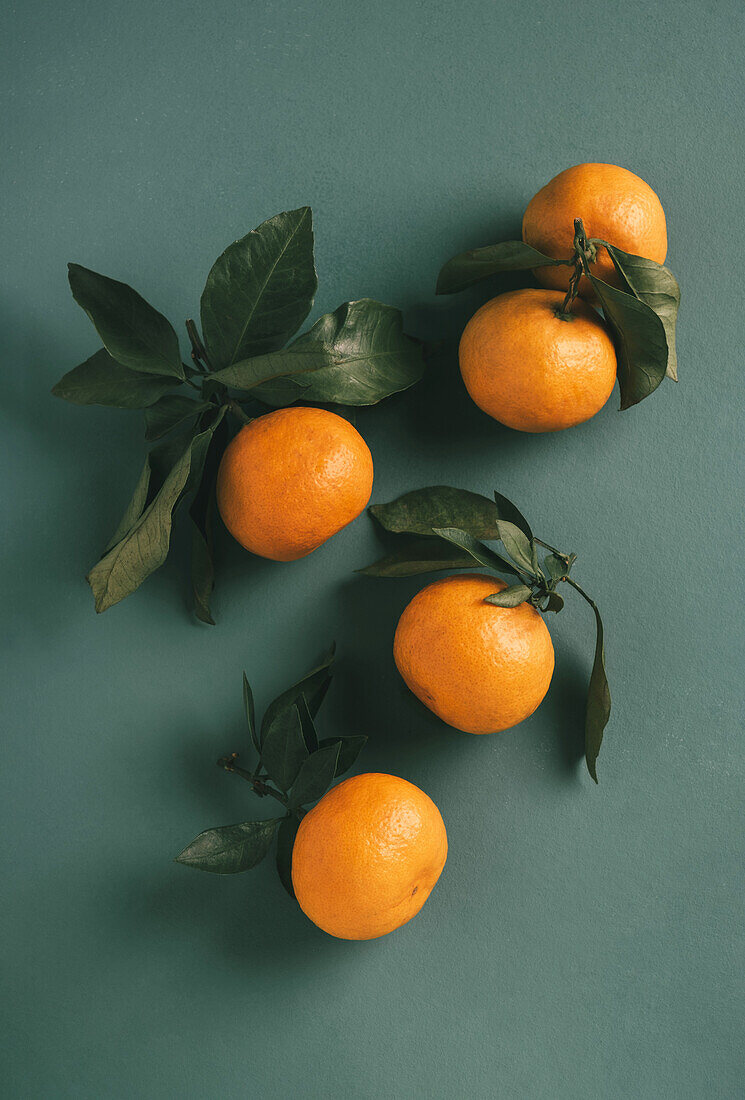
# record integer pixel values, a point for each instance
(583, 942)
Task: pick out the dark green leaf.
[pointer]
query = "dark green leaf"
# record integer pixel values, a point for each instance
(350, 748)
(168, 412)
(554, 602)
(555, 567)
(510, 597)
(230, 848)
(315, 775)
(313, 686)
(419, 555)
(134, 333)
(479, 263)
(202, 568)
(657, 287)
(248, 705)
(135, 508)
(508, 511)
(281, 392)
(306, 721)
(100, 380)
(598, 701)
(201, 513)
(260, 290)
(356, 355)
(519, 547)
(420, 511)
(641, 344)
(283, 747)
(286, 834)
(480, 553)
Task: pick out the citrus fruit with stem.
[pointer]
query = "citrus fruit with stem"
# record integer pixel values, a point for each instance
(615, 205)
(478, 667)
(533, 366)
(291, 479)
(367, 856)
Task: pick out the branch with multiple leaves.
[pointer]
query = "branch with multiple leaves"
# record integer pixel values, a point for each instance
(257, 295)
(641, 312)
(441, 528)
(291, 765)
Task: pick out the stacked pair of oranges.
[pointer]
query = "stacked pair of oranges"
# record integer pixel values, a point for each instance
(368, 854)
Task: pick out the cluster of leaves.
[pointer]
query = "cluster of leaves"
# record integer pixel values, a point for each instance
(641, 312)
(288, 754)
(257, 295)
(441, 528)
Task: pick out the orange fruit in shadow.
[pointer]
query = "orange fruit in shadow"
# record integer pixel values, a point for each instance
(291, 479)
(533, 370)
(614, 204)
(367, 856)
(478, 667)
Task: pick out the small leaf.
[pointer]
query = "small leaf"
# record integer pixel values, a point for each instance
(306, 721)
(419, 555)
(260, 290)
(480, 553)
(283, 747)
(286, 834)
(554, 602)
(422, 510)
(598, 701)
(135, 508)
(201, 513)
(100, 380)
(519, 547)
(641, 344)
(349, 749)
(657, 287)
(133, 333)
(356, 355)
(510, 597)
(555, 568)
(248, 706)
(479, 263)
(229, 849)
(315, 775)
(508, 511)
(168, 412)
(313, 686)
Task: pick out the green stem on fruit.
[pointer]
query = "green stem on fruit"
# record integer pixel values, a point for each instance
(584, 254)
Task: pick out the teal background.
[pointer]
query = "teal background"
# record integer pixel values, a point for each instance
(583, 942)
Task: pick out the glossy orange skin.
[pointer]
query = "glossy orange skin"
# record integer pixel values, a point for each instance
(532, 370)
(291, 479)
(367, 856)
(478, 667)
(615, 206)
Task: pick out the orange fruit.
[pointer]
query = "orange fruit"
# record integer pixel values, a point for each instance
(367, 856)
(291, 479)
(533, 370)
(478, 667)
(614, 204)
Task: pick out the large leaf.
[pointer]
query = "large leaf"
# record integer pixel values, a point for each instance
(520, 548)
(286, 834)
(479, 263)
(250, 709)
(167, 413)
(641, 344)
(598, 701)
(260, 290)
(134, 333)
(420, 511)
(310, 735)
(145, 547)
(349, 749)
(316, 775)
(230, 848)
(508, 511)
(657, 287)
(356, 355)
(481, 554)
(419, 555)
(100, 380)
(134, 509)
(283, 747)
(313, 686)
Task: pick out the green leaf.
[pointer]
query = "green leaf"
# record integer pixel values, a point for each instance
(519, 547)
(168, 412)
(422, 510)
(315, 775)
(349, 749)
(555, 568)
(554, 602)
(250, 709)
(656, 286)
(229, 849)
(286, 834)
(641, 344)
(260, 290)
(100, 380)
(508, 511)
(201, 513)
(598, 701)
(356, 355)
(283, 747)
(419, 555)
(135, 508)
(510, 597)
(145, 547)
(306, 721)
(133, 333)
(313, 686)
(479, 263)
(480, 553)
